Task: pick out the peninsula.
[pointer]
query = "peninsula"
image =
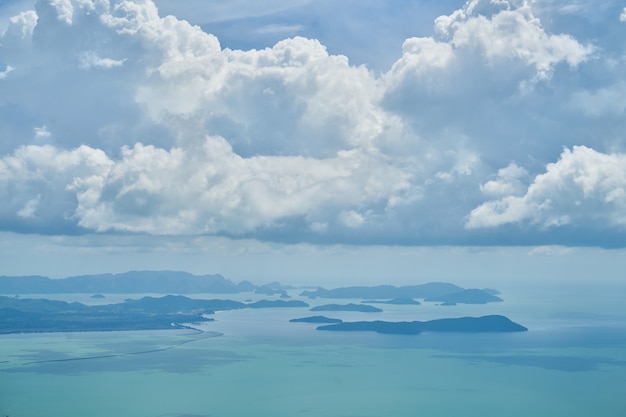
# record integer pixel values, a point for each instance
(148, 313)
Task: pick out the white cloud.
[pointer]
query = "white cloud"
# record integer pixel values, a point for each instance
(42, 132)
(30, 208)
(205, 190)
(622, 17)
(91, 59)
(21, 26)
(352, 219)
(501, 31)
(583, 187)
(510, 181)
(34, 184)
(158, 129)
(4, 73)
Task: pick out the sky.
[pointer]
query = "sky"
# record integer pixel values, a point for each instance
(314, 140)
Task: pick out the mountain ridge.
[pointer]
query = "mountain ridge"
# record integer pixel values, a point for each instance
(146, 281)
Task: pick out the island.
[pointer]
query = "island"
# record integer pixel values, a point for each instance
(273, 288)
(485, 324)
(316, 319)
(363, 308)
(432, 291)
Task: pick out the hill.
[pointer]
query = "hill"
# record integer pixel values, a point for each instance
(133, 282)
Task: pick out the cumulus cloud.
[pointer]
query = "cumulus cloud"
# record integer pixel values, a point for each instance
(29, 210)
(34, 186)
(150, 125)
(583, 186)
(622, 17)
(90, 59)
(509, 181)
(209, 189)
(501, 31)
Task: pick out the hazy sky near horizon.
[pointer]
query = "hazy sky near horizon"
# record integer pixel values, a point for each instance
(244, 137)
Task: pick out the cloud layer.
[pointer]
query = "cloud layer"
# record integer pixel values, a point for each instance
(116, 119)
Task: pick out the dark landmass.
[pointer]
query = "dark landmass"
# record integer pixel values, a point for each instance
(159, 282)
(31, 315)
(97, 296)
(148, 313)
(278, 286)
(266, 290)
(316, 319)
(363, 308)
(486, 324)
(473, 296)
(432, 289)
(179, 303)
(396, 301)
(447, 304)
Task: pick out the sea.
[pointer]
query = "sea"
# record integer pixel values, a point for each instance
(571, 362)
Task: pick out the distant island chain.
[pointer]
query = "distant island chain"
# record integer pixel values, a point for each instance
(20, 314)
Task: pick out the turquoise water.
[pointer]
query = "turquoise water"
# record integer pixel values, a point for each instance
(572, 362)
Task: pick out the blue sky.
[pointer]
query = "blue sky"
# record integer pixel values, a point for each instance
(361, 139)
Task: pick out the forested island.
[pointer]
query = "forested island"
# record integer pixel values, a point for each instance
(363, 308)
(432, 291)
(485, 324)
(316, 319)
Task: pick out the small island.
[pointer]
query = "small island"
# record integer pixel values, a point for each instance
(485, 324)
(363, 308)
(316, 319)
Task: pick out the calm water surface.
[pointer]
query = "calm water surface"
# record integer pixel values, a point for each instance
(572, 362)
